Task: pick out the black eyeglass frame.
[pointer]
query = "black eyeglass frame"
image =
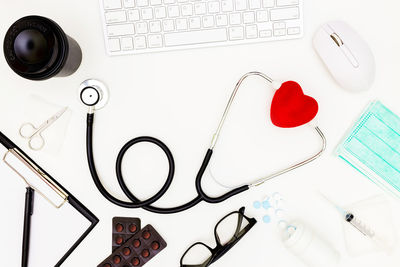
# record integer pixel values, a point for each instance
(220, 250)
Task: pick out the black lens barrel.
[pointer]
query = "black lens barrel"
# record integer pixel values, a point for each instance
(36, 48)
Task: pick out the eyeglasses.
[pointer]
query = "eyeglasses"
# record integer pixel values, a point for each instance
(228, 231)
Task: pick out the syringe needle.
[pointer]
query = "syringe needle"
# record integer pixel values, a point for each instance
(341, 210)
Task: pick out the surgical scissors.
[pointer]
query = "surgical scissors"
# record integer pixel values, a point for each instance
(34, 134)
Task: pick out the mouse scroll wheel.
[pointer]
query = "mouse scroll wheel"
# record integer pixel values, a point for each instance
(337, 39)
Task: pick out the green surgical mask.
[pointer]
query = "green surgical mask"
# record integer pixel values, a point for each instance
(373, 147)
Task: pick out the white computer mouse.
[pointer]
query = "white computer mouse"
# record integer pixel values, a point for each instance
(346, 55)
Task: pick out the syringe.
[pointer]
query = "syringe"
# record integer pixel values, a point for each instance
(358, 224)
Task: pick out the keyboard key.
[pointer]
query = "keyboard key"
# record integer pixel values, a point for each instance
(262, 16)
(139, 42)
(155, 41)
(114, 45)
(147, 13)
(293, 30)
(287, 2)
(133, 15)
(251, 31)
(112, 4)
(155, 26)
(155, 2)
(279, 25)
(160, 12)
(265, 34)
(195, 37)
(213, 7)
(187, 10)
(248, 17)
(240, 5)
(208, 21)
(115, 16)
(129, 3)
(169, 1)
(173, 11)
(200, 8)
(255, 4)
(181, 24)
(195, 23)
(222, 20)
(235, 19)
(123, 29)
(168, 25)
(264, 26)
(141, 27)
(268, 3)
(285, 13)
(127, 43)
(142, 3)
(236, 33)
(227, 5)
(280, 32)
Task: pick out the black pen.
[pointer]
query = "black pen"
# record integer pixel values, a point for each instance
(27, 225)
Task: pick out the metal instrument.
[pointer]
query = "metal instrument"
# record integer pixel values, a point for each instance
(34, 134)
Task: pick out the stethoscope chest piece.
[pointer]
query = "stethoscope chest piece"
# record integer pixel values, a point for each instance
(93, 94)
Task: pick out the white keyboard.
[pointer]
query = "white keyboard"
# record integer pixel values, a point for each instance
(140, 26)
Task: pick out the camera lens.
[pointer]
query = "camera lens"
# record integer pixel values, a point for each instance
(37, 48)
(31, 47)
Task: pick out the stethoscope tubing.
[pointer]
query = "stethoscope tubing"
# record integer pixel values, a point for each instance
(147, 204)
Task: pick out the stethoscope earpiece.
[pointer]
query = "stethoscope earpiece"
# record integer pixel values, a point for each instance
(93, 94)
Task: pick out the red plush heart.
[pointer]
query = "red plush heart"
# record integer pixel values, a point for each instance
(291, 107)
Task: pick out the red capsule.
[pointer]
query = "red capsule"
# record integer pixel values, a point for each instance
(132, 228)
(136, 243)
(135, 261)
(145, 253)
(155, 245)
(119, 240)
(117, 259)
(119, 227)
(146, 235)
(126, 251)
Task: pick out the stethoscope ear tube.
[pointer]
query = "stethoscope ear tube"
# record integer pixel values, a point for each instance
(275, 85)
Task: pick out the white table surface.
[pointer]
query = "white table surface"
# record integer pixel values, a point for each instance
(179, 98)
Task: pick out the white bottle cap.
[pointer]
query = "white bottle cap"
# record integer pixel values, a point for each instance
(311, 249)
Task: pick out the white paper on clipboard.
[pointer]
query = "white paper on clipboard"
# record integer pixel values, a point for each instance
(53, 231)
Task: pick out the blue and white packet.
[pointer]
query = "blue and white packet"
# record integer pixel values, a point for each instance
(372, 147)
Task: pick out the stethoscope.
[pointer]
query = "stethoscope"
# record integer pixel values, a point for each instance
(94, 94)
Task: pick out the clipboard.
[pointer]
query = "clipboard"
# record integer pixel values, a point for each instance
(59, 222)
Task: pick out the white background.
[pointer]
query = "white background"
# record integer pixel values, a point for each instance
(179, 97)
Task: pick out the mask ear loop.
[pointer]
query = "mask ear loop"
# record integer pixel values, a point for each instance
(261, 180)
